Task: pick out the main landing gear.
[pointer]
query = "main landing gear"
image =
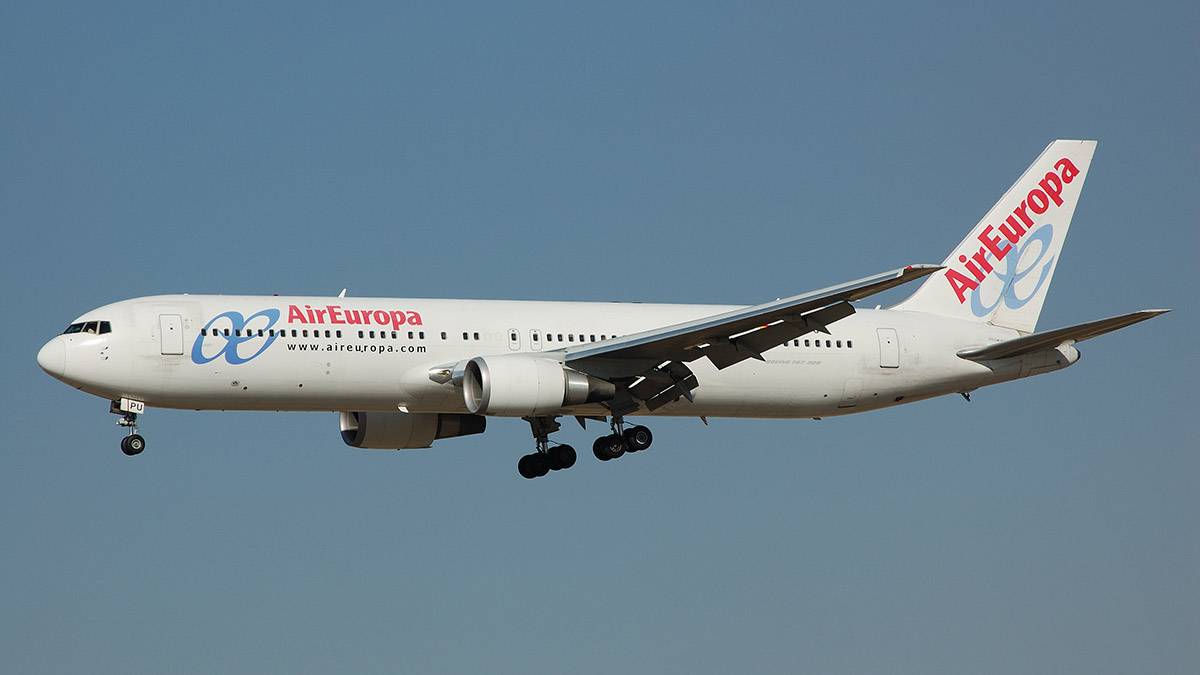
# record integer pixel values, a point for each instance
(133, 443)
(545, 458)
(622, 440)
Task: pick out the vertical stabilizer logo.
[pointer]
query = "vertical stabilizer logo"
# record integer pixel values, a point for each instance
(1016, 233)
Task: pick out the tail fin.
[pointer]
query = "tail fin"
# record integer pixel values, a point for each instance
(1001, 272)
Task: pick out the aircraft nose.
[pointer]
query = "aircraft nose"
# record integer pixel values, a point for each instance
(52, 358)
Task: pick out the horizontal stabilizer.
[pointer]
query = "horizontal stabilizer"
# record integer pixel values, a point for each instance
(1053, 338)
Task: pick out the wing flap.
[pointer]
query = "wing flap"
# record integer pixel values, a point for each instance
(1050, 339)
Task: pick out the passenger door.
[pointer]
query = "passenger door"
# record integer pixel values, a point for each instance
(889, 348)
(170, 333)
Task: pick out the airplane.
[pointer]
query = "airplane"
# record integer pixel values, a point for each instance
(403, 373)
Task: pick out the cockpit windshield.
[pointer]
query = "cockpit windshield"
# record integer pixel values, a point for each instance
(93, 327)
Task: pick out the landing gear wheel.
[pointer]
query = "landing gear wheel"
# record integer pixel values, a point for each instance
(637, 438)
(533, 466)
(561, 457)
(133, 444)
(608, 447)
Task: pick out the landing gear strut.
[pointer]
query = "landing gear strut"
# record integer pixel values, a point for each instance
(133, 443)
(621, 440)
(545, 458)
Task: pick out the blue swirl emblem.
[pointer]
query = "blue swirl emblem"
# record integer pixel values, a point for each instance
(239, 331)
(1010, 275)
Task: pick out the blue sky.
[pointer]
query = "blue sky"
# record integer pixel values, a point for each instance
(687, 152)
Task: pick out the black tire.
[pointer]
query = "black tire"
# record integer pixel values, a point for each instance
(608, 447)
(133, 444)
(562, 457)
(540, 463)
(638, 438)
(525, 467)
(599, 449)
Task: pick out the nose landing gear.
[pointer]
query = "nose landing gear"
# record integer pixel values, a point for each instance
(133, 443)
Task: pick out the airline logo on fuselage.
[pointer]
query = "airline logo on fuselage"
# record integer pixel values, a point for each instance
(336, 315)
(1016, 233)
(236, 329)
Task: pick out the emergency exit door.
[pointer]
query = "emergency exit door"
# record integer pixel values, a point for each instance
(889, 348)
(170, 333)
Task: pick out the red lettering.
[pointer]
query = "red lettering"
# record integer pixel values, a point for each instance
(992, 243)
(960, 283)
(1037, 200)
(972, 268)
(1020, 212)
(381, 317)
(414, 319)
(1011, 229)
(352, 317)
(294, 314)
(309, 312)
(1053, 187)
(320, 315)
(334, 316)
(980, 257)
(397, 319)
(1066, 169)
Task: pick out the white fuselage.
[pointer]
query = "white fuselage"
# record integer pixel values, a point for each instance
(155, 352)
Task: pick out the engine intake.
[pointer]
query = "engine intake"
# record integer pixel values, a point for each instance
(400, 431)
(518, 385)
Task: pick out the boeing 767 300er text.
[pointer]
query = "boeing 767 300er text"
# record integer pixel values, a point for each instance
(402, 373)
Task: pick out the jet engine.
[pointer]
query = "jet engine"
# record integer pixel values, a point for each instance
(516, 385)
(400, 430)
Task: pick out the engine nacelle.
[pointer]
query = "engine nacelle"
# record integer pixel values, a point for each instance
(517, 385)
(399, 430)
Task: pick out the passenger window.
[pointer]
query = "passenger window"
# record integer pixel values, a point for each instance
(410, 335)
(839, 344)
(421, 335)
(849, 344)
(443, 335)
(226, 332)
(293, 332)
(571, 338)
(304, 332)
(371, 334)
(593, 338)
(827, 343)
(806, 344)
(465, 336)
(395, 335)
(260, 332)
(560, 338)
(339, 333)
(360, 333)
(475, 335)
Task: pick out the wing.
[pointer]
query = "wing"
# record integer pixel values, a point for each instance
(1053, 338)
(651, 366)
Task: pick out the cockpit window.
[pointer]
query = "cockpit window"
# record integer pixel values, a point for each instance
(92, 327)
